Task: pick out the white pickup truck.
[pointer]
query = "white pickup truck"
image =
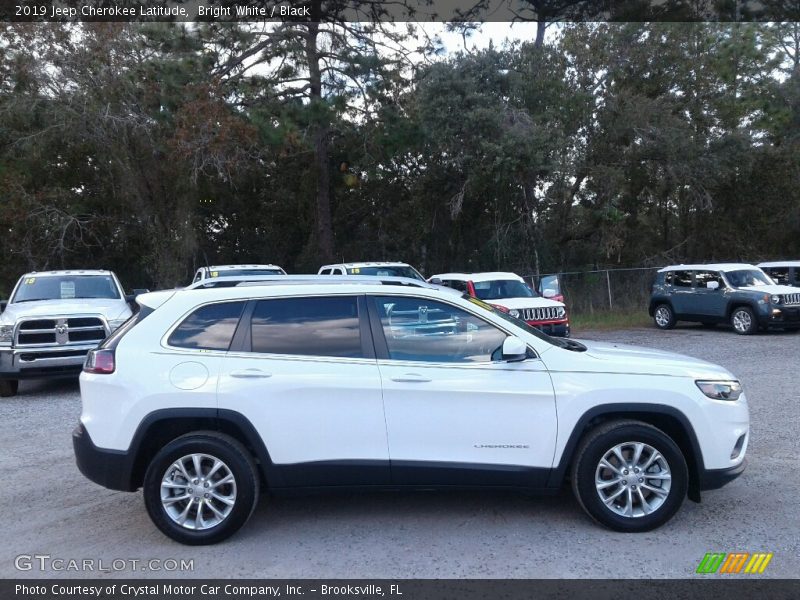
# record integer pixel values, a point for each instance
(53, 319)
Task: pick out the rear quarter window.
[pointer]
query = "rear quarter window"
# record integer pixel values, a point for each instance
(210, 327)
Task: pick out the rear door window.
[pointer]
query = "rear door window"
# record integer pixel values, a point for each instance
(320, 326)
(682, 279)
(210, 327)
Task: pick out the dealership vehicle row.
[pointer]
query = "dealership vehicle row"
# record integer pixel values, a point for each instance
(206, 396)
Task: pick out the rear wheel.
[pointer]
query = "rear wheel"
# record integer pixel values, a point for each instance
(664, 317)
(744, 321)
(8, 387)
(201, 488)
(629, 476)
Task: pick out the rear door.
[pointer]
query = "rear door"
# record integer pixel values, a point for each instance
(455, 412)
(302, 370)
(682, 296)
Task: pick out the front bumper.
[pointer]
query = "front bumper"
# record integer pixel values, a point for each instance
(110, 468)
(782, 316)
(39, 363)
(712, 479)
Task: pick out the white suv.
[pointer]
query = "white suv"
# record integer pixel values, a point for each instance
(510, 293)
(380, 269)
(214, 271)
(210, 395)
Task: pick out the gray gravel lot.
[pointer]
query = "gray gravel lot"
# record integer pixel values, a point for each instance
(49, 508)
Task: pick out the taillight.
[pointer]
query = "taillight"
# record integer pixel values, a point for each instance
(100, 361)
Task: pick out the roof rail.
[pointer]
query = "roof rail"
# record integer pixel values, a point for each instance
(261, 280)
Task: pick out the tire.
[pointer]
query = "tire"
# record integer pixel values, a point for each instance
(625, 435)
(744, 321)
(8, 387)
(664, 316)
(218, 519)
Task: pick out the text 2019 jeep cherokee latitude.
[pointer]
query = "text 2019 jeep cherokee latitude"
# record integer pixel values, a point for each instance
(208, 396)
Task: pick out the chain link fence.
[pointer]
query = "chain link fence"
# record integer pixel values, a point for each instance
(603, 290)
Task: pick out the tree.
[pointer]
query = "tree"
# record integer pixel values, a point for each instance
(323, 69)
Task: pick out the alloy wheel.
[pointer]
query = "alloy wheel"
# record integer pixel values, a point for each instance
(633, 479)
(662, 316)
(742, 321)
(198, 491)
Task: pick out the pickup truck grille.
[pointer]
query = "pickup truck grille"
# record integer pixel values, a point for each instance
(60, 331)
(547, 313)
(791, 298)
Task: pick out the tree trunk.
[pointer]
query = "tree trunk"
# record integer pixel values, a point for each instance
(541, 25)
(324, 229)
(324, 221)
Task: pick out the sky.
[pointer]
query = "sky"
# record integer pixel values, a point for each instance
(495, 33)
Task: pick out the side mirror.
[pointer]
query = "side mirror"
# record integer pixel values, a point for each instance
(514, 349)
(435, 281)
(712, 285)
(549, 293)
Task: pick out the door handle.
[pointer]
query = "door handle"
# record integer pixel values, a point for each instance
(411, 378)
(250, 374)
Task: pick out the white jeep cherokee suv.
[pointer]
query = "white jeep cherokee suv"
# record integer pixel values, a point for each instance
(53, 319)
(210, 395)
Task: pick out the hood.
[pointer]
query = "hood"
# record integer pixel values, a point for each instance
(525, 302)
(770, 289)
(107, 307)
(622, 358)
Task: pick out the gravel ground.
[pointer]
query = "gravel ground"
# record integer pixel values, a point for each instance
(50, 509)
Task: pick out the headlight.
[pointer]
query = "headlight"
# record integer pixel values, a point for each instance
(6, 335)
(514, 313)
(115, 323)
(720, 390)
(561, 312)
(775, 299)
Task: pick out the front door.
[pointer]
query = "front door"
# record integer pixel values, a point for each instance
(708, 301)
(455, 412)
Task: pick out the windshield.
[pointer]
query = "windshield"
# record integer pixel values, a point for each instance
(398, 271)
(66, 287)
(246, 272)
(502, 288)
(748, 278)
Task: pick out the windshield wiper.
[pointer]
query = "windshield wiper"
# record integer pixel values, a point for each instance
(571, 345)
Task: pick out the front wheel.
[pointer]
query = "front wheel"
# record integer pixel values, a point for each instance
(201, 488)
(8, 387)
(629, 476)
(744, 321)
